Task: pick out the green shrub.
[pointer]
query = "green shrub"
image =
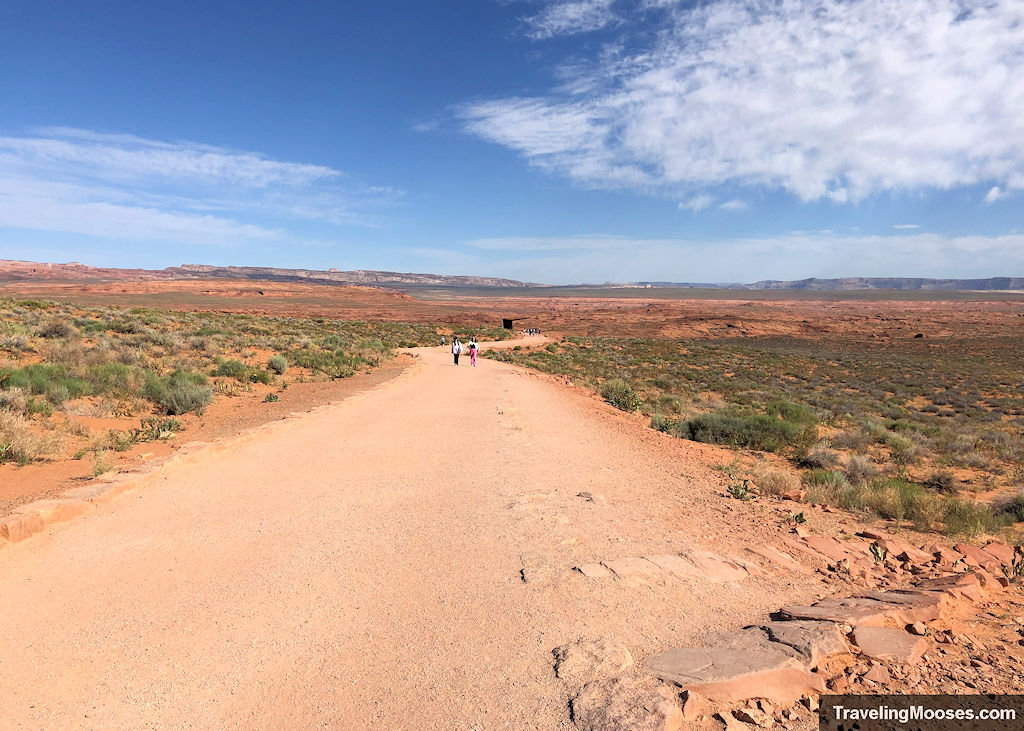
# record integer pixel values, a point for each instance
(620, 395)
(180, 392)
(789, 411)
(743, 430)
(551, 347)
(57, 329)
(966, 518)
(278, 364)
(117, 379)
(1012, 509)
(236, 369)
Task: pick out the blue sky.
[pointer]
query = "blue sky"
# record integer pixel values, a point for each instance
(548, 140)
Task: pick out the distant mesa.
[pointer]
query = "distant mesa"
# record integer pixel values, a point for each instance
(22, 271)
(860, 283)
(19, 271)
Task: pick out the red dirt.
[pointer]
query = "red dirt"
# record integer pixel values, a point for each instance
(877, 320)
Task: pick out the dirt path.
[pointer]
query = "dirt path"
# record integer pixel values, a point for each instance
(399, 560)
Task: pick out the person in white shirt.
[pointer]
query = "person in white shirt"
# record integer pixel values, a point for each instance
(456, 349)
(472, 351)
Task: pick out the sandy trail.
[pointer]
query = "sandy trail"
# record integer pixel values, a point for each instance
(364, 567)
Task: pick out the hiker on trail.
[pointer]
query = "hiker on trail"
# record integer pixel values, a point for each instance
(456, 349)
(442, 341)
(472, 351)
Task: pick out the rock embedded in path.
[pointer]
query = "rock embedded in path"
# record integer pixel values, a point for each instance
(891, 608)
(632, 568)
(584, 661)
(776, 557)
(593, 571)
(738, 666)
(816, 641)
(888, 643)
(629, 702)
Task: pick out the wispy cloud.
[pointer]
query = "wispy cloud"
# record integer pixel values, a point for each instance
(905, 226)
(733, 205)
(126, 187)
(995, 193)
(835, 100)
(697, 203)
(570, 17)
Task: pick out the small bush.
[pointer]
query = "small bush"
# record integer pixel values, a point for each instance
(789, 411)
(57, 329)
(179, 393)
(278, 364)
(860, 469)
(966, 518)
(620, 395)
(236, 369)
(776, 482)
(18, 443)
(744, 431)
(551, 347)
(819, 459)
(1012, 508)
(264, 377)
(14, 399)
(853, 439)
(941, 480)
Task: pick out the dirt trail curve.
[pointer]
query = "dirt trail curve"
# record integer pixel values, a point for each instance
(401, 559)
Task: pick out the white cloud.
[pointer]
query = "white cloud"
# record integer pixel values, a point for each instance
(905, 226)
(126, 187)
(570, 17)
(995, 193)
(733, 205)
(697, 203)
(837, 99)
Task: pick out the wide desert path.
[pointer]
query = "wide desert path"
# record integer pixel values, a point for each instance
(401, 559)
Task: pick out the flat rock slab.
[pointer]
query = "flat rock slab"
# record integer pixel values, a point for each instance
(584, 661)
(715, 568)
(1001, 551)
(593, 571)
(738, 666)
(640, 703)
(974, 556)
(631, 568)
(930, 604)
(835, 549)
(901, 549)
(887, 643)
(959, 586)
(775, 556)
(814, 640)
(879, 610)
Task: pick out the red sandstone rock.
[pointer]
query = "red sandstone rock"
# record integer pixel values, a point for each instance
(887, 643)
(738, 666)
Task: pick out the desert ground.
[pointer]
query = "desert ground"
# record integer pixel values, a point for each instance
(424, 545)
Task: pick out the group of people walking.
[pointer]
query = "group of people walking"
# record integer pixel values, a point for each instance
(458, 348)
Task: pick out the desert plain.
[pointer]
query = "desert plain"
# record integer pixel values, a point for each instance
(270, 503)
